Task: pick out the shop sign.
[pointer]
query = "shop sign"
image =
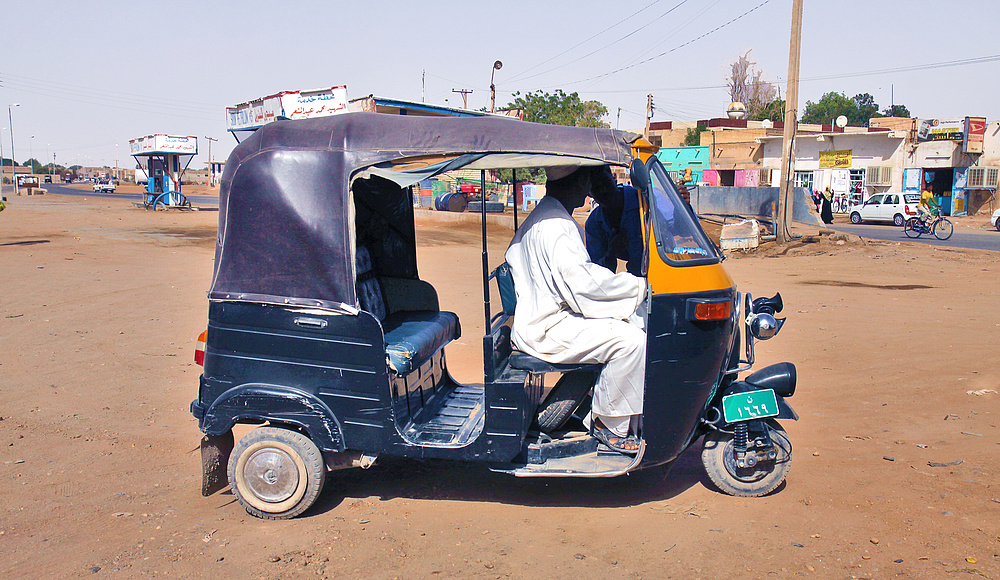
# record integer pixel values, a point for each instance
(838, 159)
(940, 129)
(289, 105)
(975, 132)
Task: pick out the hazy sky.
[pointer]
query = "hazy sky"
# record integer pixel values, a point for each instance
(88, 74)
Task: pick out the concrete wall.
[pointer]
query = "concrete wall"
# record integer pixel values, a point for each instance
(751, 202)
(868, 149)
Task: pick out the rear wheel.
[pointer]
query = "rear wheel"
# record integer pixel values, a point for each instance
(943, 229)
(275, 473)
(913, 228)
(855, 218)
(719, 458)
(564, 399)
(897, 220)
(997, 224)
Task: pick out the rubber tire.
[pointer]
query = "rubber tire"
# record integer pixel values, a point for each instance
(564, 399)
(947, 225)
(855, 218)
(912, 228)
(898, 220)
(997, 225)
(307, 460)
(719, 447)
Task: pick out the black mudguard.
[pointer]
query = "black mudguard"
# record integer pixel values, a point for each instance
(215, 451)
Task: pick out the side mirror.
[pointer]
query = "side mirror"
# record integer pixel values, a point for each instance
(639, 174)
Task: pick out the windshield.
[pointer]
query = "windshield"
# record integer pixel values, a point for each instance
(679, 237)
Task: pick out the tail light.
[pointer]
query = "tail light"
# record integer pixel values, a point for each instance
(718, 309)
(199, 349)
(909, 211)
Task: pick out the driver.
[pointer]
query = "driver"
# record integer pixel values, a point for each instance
(571, 310)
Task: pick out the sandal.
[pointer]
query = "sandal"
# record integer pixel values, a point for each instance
(606, 435)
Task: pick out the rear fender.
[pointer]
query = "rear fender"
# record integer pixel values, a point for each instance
(257, 403)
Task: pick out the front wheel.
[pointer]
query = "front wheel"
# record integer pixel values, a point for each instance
(943, 229)
(913, 228)
(719, 458)
(855, 218)
(275, 473)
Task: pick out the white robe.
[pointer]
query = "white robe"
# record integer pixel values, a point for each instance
(570, 310)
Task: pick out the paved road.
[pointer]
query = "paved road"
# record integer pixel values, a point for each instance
(208, 200)
(962, 238)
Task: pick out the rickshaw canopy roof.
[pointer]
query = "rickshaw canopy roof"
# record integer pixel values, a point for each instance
(286, 213)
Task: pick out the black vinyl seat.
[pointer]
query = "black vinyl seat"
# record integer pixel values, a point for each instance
(411, 336)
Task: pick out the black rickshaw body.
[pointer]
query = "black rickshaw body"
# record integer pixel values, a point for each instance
(319, 324)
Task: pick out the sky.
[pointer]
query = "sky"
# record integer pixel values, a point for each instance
(90, 75)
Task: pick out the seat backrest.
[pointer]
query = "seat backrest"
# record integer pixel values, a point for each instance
(505, 285)
(367, 286)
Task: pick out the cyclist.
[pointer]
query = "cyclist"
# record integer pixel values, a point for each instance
(928, 206)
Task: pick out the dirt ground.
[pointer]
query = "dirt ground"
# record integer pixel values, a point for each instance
(895, 470)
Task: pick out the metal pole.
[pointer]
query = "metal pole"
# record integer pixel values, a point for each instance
(1, 160)
(487, 360)
(791, 119)
(211, 170)
(513, 172)
(13, 172)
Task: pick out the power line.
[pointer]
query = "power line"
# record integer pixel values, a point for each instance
(591, 53)
(662, 54)
(519, 76)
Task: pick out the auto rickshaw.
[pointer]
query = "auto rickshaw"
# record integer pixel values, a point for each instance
(321, 331)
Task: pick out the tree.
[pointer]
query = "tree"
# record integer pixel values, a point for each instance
(896, 111)
(858, 110)
(775, 111)
(692, 138)
(867, 108)
(746, 86)
(560, 109)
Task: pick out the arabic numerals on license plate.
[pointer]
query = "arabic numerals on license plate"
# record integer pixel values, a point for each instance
(750, 405)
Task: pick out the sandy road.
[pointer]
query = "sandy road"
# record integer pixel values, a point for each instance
(100, 304)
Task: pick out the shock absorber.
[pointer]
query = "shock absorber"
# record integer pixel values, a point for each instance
(741, 440)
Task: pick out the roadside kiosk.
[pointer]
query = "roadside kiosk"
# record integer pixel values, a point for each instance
(165, 159)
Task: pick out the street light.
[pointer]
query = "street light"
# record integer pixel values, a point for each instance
(10, 118)
(493, 88)
(31, 153)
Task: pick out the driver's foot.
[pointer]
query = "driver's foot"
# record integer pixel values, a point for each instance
(627, 445)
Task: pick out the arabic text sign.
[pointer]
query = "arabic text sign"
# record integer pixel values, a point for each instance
(838, 159)
(290, 105)
(151, 144)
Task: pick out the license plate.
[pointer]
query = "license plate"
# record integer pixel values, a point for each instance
(751, 405)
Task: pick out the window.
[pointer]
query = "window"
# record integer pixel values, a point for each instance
(679, 237)
(804, 179)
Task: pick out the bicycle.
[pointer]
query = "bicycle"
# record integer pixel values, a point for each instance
(941, 227)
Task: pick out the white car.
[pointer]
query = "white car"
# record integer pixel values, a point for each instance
(892, 207)
(995, 219)
(105, 186)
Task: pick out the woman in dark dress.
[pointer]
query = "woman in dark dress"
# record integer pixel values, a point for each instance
(827, 212)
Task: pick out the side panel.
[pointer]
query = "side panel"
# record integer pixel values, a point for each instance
(683, 361)
(339, 359)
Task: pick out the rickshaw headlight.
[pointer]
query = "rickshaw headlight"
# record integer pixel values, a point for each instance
(764, 326)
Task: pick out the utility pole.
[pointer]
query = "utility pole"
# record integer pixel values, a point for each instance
(465, 96)
(649, 114)
(618, 121)
(211, 170)
(791, 120)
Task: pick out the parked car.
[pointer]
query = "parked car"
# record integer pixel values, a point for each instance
(995, 219)
(104, 186)
(892, 207)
